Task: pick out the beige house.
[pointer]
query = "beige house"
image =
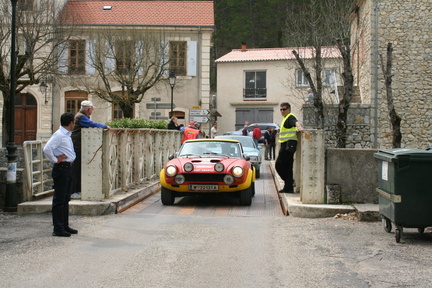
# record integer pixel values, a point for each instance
(173, 34)
(251, 83)
(408, 26)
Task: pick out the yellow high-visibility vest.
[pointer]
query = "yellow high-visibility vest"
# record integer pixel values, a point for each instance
(286, 134)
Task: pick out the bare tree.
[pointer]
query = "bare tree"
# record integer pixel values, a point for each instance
(319, 23)
(133, 60)
(38, 42)
(395, 119)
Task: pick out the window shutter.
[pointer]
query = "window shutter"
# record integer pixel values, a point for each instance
(192, 58)
(63, 58)
(90, 57)
(164, 57)
(139, 57)
(109, 58)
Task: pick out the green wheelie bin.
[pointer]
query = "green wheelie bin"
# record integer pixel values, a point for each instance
(405, 189)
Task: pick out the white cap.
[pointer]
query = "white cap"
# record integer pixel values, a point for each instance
(87, 103)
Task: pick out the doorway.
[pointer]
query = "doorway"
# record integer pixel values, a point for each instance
(25, 118)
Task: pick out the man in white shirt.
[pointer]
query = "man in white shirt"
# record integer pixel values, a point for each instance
(60, 151)
(214, 131)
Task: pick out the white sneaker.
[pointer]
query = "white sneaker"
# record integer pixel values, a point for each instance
(76, 196)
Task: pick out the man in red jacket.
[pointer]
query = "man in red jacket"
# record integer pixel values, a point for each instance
(256, 134)
(190, 132)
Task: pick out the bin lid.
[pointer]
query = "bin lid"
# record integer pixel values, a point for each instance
(393, 155)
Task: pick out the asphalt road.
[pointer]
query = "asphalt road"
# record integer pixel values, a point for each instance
(155, 250)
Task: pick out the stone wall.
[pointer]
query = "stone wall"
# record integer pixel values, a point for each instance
(355, 171)
(358, 133)
(408, 26)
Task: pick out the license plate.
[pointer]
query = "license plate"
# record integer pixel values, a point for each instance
(201, 187)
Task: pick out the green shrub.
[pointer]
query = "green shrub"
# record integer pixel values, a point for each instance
(137, 123)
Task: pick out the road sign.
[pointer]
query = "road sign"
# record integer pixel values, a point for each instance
(199, 119)
(159, 105)
(155, 99)
(198, 112)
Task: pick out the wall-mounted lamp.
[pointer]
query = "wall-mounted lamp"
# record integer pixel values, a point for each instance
(43, 89)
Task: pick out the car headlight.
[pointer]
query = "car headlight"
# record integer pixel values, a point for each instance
(228, 179)
(237, 171)
(179, 179)
(253, 158)
(219, 167)
(171, 170)
(188, 167)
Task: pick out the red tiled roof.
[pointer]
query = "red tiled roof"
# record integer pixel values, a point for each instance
(275, 54)
(171, 13)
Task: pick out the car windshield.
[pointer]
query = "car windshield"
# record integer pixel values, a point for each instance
(245, 141)
(211, 149)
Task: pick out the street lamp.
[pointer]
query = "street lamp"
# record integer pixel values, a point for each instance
(43, 89)
(172, 81)
(11, 197)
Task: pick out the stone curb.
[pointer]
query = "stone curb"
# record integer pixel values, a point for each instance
(291, 205)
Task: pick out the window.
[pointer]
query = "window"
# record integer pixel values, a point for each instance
(25, 5)
(178, 60)
(329, 77)
(73, 101)
(301, 79)
(117, 112)
(255, 85)
(76, 56)
(124, 54)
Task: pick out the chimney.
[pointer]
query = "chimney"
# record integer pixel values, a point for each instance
(243, 49)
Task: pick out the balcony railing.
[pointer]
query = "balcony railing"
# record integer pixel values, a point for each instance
(254, 93)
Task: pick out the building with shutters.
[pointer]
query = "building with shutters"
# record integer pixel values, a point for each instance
(113, 38)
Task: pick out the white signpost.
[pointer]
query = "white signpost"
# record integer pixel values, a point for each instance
(199, 119)
(198, 115)
(198, 112)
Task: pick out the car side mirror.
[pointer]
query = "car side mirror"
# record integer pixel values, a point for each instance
(259, 147)
(171, 156)
(246, 157)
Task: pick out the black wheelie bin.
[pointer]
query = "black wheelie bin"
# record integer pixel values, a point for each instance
(405, 189)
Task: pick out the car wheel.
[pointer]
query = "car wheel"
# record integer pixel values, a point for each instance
(258, 174)
(246, 196)
(253, 189)
(167, 196)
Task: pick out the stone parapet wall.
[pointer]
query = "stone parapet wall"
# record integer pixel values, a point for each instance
(359, 131)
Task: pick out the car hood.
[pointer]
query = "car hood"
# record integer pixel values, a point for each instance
(206, 164)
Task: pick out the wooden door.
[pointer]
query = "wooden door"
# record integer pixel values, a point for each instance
(25, 118)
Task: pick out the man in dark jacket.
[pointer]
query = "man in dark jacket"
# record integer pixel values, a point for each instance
(82, 120)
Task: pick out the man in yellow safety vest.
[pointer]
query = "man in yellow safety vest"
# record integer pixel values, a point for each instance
(288, 144)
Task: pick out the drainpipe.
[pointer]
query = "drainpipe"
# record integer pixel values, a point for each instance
(375, 70)
(199, 65)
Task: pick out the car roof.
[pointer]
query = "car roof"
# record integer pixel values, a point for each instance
(212, 140)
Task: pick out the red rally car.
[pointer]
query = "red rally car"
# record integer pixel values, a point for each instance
(208, 166)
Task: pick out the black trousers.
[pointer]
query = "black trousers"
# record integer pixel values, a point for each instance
(77, 172)
(63, 180)
(284, 163)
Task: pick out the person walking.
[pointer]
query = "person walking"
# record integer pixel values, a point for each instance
(60, 151)
(288, 145)
(214, 130)
(267, 144)
(256, 134)
(82, 120)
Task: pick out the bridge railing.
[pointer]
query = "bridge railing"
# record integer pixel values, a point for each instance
(113, 161)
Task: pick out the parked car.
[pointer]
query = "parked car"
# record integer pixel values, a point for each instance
(208, 166)
(249, 148)
(262, 126)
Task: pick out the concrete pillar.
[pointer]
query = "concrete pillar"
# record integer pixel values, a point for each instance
(310, 166)
(91, 166)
